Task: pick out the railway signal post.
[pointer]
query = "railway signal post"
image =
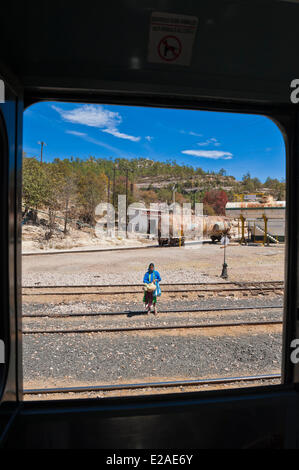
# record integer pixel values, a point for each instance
(224, 243)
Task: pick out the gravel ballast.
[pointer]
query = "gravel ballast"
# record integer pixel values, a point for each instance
(109, 358)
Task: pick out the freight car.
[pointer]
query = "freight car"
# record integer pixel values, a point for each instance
(174, 235)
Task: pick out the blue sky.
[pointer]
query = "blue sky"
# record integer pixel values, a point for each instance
(236, 142)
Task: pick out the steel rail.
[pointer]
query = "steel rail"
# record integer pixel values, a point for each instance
(143, 312)
(168, 384)
(233, 289)
(152, 328)
(235, 283)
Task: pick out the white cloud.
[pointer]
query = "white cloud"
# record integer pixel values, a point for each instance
(96, 116)
(86, 137)
(120, 135)
(149, 138)
(90, 115)
(202, 144)
(195, 134)
(191, 133)
(211, 141)
(79, 134)
(213, 154)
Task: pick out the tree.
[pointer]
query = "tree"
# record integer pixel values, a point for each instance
(250, 184)
(67, 187)
(53, 186)
(148, 197)
(165, 195)
(217, 200)
(180, 199)
(34, 184)
(92, 189)
(208, 210)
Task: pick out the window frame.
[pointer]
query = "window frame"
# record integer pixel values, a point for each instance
(286, 119)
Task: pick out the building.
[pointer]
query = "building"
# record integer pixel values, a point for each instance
(262, 220)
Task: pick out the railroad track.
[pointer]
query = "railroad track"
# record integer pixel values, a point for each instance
(155, 327)
(156, 385)
(188, 288)
(143, 312)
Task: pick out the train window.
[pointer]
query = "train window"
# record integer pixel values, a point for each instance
(153, 250)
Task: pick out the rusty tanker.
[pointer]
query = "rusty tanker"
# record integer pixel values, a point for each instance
(201, 228)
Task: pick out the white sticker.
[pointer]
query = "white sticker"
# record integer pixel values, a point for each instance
(224, 241)
(171, 38)
(2, 92)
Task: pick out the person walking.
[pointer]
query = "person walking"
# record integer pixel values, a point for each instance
(152, 288)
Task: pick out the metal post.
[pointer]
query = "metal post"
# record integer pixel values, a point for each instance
(108, 189)
(114, 186)
(224, 273)
(181, 234)
(173, 194)
(127, 187)
(265, 230)
(242, 218)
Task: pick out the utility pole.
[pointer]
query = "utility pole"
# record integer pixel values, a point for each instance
(127, 182)
(127, 195)
(127, 186)
(173, 194)
(42, 144)
(114, 186)
(109, 189)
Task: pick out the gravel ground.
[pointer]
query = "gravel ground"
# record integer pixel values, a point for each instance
(135, 317)
(150, 321)
(85, 278)
(76, 359)
(103, 305)
(107, 358)
(189, 264)
(110, 358)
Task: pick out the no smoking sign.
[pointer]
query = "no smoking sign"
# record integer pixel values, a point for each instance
(169, 48)
(171, 38)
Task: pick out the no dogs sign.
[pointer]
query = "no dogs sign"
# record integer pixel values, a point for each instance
(171, 38)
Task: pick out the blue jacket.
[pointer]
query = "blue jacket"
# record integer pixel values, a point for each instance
(149, 277)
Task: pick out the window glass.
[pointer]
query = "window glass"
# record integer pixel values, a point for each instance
(153, 250)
